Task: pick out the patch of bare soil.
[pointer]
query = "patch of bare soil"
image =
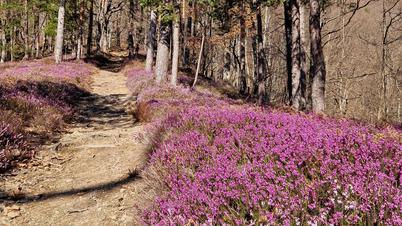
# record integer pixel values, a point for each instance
(90, 176)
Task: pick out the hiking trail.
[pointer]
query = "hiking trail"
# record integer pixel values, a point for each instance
(89, 177)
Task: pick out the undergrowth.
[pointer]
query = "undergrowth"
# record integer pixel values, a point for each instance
(37, 98)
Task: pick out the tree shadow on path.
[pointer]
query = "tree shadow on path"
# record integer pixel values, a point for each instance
(23, 198)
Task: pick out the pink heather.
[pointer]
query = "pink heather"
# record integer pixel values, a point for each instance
(224, 163)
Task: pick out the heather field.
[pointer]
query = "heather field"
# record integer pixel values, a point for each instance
(36, 99)
(216, 161)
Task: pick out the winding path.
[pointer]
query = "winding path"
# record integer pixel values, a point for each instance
(90, 176)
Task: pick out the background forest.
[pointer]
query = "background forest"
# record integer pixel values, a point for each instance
(339, 57)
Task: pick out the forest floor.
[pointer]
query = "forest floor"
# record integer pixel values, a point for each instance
(90, 177)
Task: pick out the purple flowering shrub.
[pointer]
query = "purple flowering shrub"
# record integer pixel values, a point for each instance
(244, 166)
(12, 146)
(73, 72)
(222, 163)
(36, 99)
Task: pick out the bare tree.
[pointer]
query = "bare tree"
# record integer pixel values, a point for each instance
(131, 31)
(176, 49)
(58, 51)
(242, 51)
(151, 42)
(3, 33)
(81, 29)
(26, 31)
(162, 55)
(90, 28)
(318, 71)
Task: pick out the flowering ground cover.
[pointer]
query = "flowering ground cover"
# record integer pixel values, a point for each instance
(45, 68)
(221, 162)
(36, 99)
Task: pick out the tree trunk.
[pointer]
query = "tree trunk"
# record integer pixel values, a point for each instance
(118, 32)
(3, 46)
(383, 109)
(162, 56)
(184, 32)
(58, 51)
(199, 60)
(131, 30)
(288, 37)
(38, 28)
(139, 36)
(305, 82)
(261, 69)
(242, 55)
(3, 34)
(318, 71)
(81, 30)
(103, 25)
(176, 49)
(12, 43)
(297, 75)
(151, 42)
(102, 44)
(193, 18)
(90, 28)
(26, 31)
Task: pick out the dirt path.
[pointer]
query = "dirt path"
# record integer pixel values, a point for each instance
(89, 177)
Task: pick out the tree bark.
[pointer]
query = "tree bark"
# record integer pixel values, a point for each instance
(130, 39)
(193, 18)
(261, 69)
(242, 55)
(58, 51)
(151, 42)
(81, 30)
(298, 76)
(305, 84)
(162, 56)
(199, 60)
(184, 32)
(3, 46)
(176, 49)
(90, 28)
(318, 71)
(26, 31)
(383, 110)
(139, 31)
(103, 24)
(288, 37)
(39, 35)
(12, 43)
(3, 34)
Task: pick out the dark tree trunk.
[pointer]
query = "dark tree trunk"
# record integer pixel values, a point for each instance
(184, 32)
(80, 30)
(130, 39)
(242, 56)
(261, 66)
(90, 28)
(298, 76)
(288, 37)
